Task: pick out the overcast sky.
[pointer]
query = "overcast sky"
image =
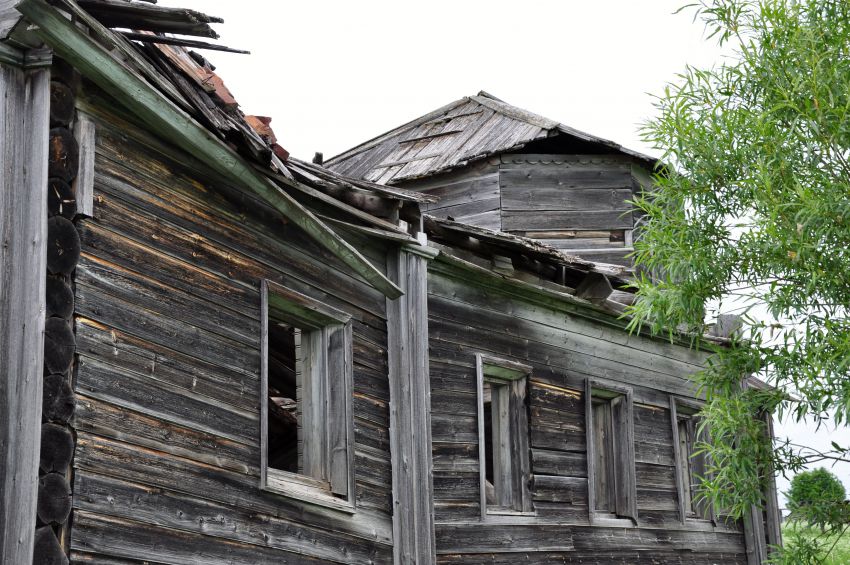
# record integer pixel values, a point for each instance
(333, 74)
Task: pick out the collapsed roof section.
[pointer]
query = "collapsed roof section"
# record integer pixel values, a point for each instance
(178, 95)
(466, 130)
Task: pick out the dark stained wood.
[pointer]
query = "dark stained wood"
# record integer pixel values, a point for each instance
(63, 155)
(59, 345)
(61, 104)
(63, 246)
(58, 400)
(47, 550)
(57, 448)
(60, 199)
(59, 297)
(54, 499)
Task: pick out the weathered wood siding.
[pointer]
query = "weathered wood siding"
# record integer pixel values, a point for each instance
(564, 350)
(469, 195)
(572, 202)
(167, 305)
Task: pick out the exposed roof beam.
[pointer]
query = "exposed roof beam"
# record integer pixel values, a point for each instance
(165, 118)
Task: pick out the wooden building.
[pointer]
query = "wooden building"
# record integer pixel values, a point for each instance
(497, 166)
(212, 352)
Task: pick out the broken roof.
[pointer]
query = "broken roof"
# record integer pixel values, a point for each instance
(177, 94)
(466, 130)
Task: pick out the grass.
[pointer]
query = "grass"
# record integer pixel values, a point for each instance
(840, 554)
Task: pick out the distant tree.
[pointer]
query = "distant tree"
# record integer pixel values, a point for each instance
(755, 204)
(814, 496)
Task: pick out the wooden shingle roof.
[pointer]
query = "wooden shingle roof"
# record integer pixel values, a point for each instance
(466, 130)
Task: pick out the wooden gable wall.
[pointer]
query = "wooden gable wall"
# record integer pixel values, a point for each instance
(564, 349)
(578, 203)
(167, 383)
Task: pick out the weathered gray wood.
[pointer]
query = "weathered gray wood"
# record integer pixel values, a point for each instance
(84, 132)
(24, 126)
(341, 439)
(162, 115)
(568, 220)
(410, 414)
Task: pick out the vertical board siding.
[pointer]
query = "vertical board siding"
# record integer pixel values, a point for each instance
(167, 305)
(564, 351)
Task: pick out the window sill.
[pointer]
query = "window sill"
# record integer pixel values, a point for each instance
(611, 521)
(304, 490)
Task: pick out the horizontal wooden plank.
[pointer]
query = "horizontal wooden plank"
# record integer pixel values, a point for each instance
(558, 198)
(572, 220)
(102, 418)
(149, 467)
(198, 523)
(231, 387)
(158, 327)
(473, 538)
(533, 178)
(164, 401)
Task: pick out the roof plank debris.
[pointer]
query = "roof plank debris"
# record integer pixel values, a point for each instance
(148, 17)
(468, 129)
(531, 251)
(180, 96)
(166, 40)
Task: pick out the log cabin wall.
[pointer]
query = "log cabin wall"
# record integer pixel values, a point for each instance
(578, 203)
(468, 316)
(167, 384)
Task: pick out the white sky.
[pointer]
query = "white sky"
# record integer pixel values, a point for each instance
(333, 73)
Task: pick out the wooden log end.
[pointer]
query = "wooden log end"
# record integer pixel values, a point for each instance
(62, 71)
(61, 104)
(54, 499)
(57, 448)
(59, 345)
(47, 550)
(58, 401)
(61, 200)
(63, 154)
(63, 246)
(60, 298)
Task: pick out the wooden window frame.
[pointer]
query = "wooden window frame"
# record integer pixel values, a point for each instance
(687, 408)
(328, 478)
(513, 449)
(625, 504)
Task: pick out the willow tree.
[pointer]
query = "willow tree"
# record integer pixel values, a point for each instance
(752, 211)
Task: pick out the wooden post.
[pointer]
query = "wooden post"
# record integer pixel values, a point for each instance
(410, 409)
(24, 127)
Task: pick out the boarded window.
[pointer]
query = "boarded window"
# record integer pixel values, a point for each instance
(691, 462)
(307, 425)
(503, 436)
(610, 452)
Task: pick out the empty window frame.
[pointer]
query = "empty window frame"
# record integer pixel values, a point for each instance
(503, 448)
(610, 452)
(306, 424)
(691, 463)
